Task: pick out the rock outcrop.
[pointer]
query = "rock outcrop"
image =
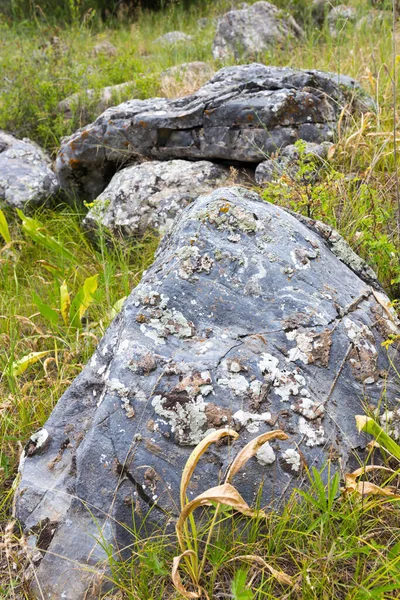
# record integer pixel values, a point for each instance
(151, 195)
(26, 176)
(246, 319)
(241, 115)
(252, 31)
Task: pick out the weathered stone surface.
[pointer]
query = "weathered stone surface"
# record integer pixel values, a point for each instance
(251, 31)
(151, 195)
(26, 176)
(242, 114)
(184, 79)
(287, 162)
(173, 37)
(81, 101)
(245, 319)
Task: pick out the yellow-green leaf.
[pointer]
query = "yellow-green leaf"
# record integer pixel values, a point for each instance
(19, 366)
(65, 302)
(4, 231)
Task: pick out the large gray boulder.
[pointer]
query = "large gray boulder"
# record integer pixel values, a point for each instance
(241, 115)
(26, 176)
(246, 319)
(151, 195)
(251, 31)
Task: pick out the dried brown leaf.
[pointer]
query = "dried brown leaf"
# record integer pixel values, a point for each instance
(365, 488)
(251, 449)
(197, 453)
(280, 576)
(176, 579)
(224, 494)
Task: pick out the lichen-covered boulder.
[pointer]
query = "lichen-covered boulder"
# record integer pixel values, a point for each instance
(252, 30)
(26, 176)
(246, 319)
(151, 195)
(241, 115)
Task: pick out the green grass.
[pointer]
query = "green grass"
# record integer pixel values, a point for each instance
(348, 549)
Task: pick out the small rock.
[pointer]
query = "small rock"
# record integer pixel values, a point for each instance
(173, 37)
(252, 30)
(151, 195)
(26, 176)
(105, 47)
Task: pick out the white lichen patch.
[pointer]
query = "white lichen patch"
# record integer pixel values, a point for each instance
(164, 322)
(364, 355)
(360, 335)
(233, 379)
(187, 420)
(301, 257)
(286, 383)
(390, 422)
(308, 408)
(292, 459)
(313, 433)
(192, 261)
(251, 421)
(114, 385)
(266, 455)
(235, 382)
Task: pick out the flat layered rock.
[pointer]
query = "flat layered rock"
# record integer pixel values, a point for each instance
(241, 115)
(26, 176)
(253, 30)
(151, 195)
(246, 319)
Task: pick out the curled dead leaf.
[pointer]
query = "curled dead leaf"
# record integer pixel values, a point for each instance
(224, 494)
(251, 449)
(176, 578)
(365, 488)
(197, 453)
(280, 576)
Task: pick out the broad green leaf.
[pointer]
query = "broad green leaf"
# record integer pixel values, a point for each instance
(65, 302)
(82, 300)
(370, 426)
(45, 310)
(35, 230)
(117, 307)
(19, 366)
(4, 231)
